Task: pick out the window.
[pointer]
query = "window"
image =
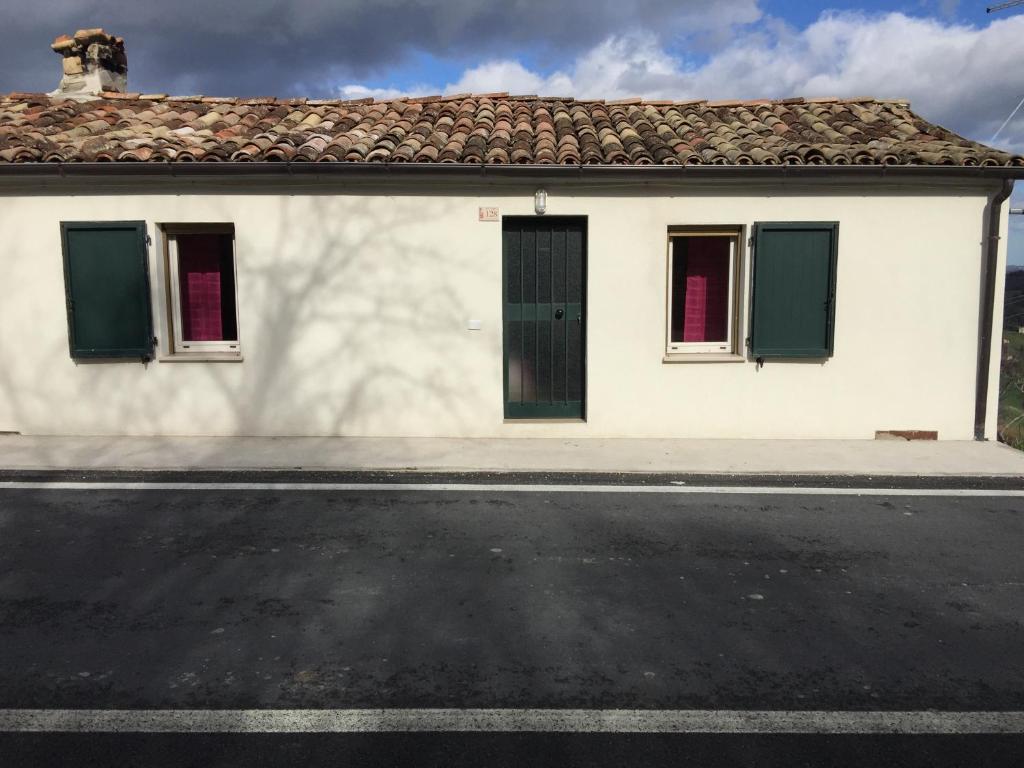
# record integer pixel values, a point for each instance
(201, 287)
(106, 282)
(793, 312)
(702, 279)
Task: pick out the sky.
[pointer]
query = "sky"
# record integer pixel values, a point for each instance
(959, 66)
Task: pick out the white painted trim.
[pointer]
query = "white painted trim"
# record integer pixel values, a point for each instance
(182, 347)
(736, 490)
(504, 720)
(684, 357)
(696, 349)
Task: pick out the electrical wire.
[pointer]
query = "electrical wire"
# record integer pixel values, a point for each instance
(1007, 120)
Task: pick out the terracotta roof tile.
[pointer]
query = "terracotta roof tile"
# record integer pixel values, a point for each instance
(490, 128)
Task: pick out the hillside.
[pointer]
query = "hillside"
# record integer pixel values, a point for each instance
(1013, 309)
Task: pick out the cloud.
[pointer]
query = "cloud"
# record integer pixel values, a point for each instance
(272, 47)
(963, 76)
(967, 78)
(505, 75)
(356, 91)
(510, 76)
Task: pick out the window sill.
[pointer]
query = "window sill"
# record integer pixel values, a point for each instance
(202, 357)
(703, 357)
(544, 421)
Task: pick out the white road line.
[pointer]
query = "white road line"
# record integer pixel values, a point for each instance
(509, 488)
(505, 720)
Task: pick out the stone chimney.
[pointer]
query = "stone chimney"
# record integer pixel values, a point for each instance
(93, 61)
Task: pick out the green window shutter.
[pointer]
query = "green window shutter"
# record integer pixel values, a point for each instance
(106, 280)
(793, 302)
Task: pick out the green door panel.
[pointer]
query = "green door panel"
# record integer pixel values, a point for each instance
(793, 304)
(106, 280)
(544, 262)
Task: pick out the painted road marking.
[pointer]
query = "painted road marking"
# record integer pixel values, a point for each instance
(509, 488)
(505, 720)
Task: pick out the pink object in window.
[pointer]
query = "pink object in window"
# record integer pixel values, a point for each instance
(707, 289)
(199, 270)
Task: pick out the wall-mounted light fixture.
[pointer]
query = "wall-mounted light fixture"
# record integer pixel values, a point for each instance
(540, 201)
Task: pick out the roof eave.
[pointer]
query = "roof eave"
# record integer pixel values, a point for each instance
(560, 172)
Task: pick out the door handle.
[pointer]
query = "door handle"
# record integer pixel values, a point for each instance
(559, 314)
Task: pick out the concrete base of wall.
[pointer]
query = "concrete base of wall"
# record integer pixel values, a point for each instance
(822, 457)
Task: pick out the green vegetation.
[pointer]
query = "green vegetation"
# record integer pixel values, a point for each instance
(1013, 304)
(1011, 390)
(1011, 376)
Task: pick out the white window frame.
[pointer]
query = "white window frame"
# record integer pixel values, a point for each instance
(181, 346)
(727, 347)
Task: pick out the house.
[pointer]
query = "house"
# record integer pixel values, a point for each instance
(492, 265)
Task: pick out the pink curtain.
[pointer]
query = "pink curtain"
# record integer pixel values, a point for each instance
(707, 289)
(199, 270)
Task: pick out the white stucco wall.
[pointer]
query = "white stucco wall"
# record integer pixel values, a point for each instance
(353, 306)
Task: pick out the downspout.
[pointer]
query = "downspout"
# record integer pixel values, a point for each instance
(988, 300)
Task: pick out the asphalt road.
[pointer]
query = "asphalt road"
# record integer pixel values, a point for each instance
(270, 599)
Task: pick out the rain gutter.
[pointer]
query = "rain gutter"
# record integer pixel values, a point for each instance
(384, 171)
(990, 275)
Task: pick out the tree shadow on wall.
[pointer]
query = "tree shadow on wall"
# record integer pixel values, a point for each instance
(349, 337)
(352, 320)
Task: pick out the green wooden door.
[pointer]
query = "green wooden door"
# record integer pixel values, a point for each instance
(544, 265)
